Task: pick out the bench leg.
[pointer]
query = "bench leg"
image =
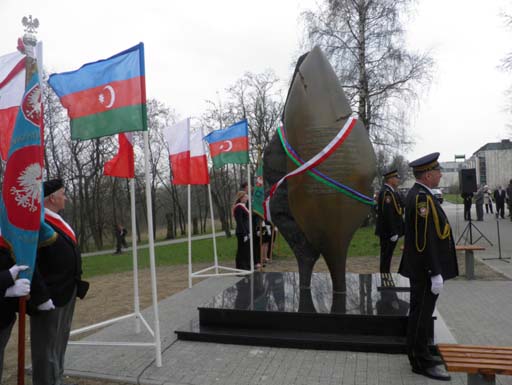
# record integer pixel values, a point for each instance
(480, 379)
(470, 264)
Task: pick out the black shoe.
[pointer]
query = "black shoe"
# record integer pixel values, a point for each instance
(436, 372)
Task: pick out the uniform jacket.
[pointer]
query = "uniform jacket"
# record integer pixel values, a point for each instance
(241, 214)
(60, 267)
(428, 245)
(499, 196)
(8, 306)
(389, 213)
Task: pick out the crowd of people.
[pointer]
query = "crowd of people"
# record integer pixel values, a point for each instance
(55, 285)
(492, 200)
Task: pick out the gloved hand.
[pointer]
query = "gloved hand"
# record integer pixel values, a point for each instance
(437, 284)
(45, 306)
(14, 270)
(20, 288)
(394, 238)
(246, 238)
(269, 229)
(258, 233)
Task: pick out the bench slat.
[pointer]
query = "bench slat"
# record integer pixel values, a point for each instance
(479, 362)
(475, 348)
(470, 368)
(453, 356)
(469, 247)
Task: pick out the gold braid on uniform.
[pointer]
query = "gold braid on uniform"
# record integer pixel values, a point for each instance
(420, 249)
(446, 231)
(398, 209)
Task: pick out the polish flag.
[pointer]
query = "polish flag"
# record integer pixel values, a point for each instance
(122, 165)
(12, 87)
(186, 154)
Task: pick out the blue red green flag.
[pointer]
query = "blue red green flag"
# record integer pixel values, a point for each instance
(105, 97)
(229, 145)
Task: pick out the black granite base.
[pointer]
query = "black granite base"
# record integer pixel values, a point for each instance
(270, 309)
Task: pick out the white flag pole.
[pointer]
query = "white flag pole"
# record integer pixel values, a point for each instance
(158, 346)
(250, 215)
(213, 231)
(136, 302)
(189, 239)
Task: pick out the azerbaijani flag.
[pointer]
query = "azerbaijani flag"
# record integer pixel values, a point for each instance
(106, 97)
(229, 145)
(21, 214)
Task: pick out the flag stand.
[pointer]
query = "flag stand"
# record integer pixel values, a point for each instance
(138, 316)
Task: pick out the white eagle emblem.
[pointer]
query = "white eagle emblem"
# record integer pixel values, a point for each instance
(28, 195)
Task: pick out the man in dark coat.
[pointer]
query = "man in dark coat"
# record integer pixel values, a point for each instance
(468, 201)
(390, 223)
(10, 289)
(53, 296)
(428, 260)
(499, 198)
(509, 198)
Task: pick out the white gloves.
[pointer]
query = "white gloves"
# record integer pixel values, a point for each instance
(269, 229)
(45, 306)
(394, 238)
(437, 284)
(14, 270)
(20, 288)
(246, 238)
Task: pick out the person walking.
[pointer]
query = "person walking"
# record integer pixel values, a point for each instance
(390, 224)
(499, 198)
(508, 198)
(52, 302)
(428, 260)
(120, 233)
(241, 214)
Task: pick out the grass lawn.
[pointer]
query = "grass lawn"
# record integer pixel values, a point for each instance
(453, 198)
(364, 243)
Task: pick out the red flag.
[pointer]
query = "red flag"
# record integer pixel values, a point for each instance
(12, 87)
(186, 154)
(123, 164)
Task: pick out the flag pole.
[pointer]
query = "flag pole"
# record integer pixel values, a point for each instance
(216, 259)
(250, 215)
(158, 347)
(136, 302)
(21, 340)
(189, 239)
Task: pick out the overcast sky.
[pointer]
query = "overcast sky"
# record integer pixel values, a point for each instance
(195, 49)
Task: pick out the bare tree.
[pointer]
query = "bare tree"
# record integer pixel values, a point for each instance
(364, 41)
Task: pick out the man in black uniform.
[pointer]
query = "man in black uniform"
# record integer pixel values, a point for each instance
(60, 267)
(390, 223)
(428, 260)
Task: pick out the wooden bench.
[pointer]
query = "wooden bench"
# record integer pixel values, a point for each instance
(481, 363)
(469, 251)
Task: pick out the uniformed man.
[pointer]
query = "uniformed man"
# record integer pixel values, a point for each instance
(428, 260)
(390, 223)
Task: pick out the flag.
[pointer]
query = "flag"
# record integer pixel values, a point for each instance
(123, 164)
(12, 87)
(186, 154)
(106, 97)
(229, 145)
(259, 191)
(21, 207)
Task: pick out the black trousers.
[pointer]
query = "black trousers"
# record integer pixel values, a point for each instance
(419, 327)
(387, 247)
(467, 210)
(243, 254)
(488, 206)
(500, 209)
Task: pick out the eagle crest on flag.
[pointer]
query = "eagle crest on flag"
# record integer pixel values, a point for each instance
(28, 195)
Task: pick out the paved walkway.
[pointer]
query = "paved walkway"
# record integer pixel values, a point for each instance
(476, 312)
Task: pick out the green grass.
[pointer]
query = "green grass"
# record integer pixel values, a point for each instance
(364, 243)
(453, 198)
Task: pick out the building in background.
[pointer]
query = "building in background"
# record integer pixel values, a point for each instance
(493, 164)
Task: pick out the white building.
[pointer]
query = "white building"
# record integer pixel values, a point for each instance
(493, 164)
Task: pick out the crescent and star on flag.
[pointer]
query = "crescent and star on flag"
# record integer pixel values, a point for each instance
(226, 146)
(112, 92)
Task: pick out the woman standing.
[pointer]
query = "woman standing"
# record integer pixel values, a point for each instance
(487, 199)
(241, 214)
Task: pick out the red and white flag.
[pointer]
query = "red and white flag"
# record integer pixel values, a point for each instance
(12, 87)
(123, 164)
(186, 154)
